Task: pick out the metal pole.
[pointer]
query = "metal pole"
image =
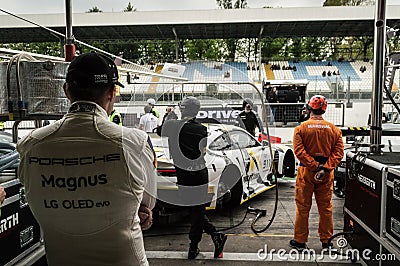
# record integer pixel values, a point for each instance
(379, 57)
(348, 103)
(69, 48)
(68, 15)
(343, 113)
(176, 45)
(337, 89)
(259, 53)
(348, 89)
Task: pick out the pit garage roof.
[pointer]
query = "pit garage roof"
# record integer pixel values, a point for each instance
(201, 24)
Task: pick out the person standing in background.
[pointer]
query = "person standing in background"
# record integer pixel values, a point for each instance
(187, 141)
(292, 96)
(305, 114)
(152, 103)
(273, 98)
(169, 114)
(148, 122)
(247, 119)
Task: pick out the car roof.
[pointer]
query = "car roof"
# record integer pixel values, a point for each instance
(214, 130)
(222, 127)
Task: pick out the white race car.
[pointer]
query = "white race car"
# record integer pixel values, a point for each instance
(239, 166)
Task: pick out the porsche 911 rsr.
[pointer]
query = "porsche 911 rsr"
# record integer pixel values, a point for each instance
(239, 166)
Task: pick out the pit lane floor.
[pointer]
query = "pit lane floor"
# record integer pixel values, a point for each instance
(168, 245)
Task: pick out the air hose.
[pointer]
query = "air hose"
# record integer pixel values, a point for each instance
(262, 213)
(345, 244)
(9, 158)
(340, 234)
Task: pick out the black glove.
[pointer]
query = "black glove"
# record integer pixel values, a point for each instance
(321, 167)
(320, 172)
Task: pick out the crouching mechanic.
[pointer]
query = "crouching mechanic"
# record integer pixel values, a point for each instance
(318, 145)
(89, 182)
(187, 140)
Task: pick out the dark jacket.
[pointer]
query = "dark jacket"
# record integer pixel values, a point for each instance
(272, 97)
(187, 141)
(292, 96)
(249, 121)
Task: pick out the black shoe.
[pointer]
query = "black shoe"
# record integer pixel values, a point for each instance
(299, 246)
(192, 254)
(327, 245)
(339, 193)
(219, 240)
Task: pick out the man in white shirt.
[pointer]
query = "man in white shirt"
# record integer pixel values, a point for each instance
(90, 183)
(148, 122)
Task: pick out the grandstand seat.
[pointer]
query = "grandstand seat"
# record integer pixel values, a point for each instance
(313, 70)
(215, 71)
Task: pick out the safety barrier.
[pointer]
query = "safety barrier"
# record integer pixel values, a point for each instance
(225, 97)
(222, 93)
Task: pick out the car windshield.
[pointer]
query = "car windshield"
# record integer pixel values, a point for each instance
(233, 140)
(220, 143)
(241, 140)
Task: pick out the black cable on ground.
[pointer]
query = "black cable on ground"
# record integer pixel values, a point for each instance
(340, 234)
(185, 233)
(234, 226)
(260, 214)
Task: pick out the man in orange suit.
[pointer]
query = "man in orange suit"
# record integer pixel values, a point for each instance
(318, 145)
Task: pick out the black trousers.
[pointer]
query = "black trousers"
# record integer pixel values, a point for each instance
(198, 223)
(193, 187)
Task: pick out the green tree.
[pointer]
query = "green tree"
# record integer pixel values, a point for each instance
(46, 48)
(246, 49)
(241, 4)
(296, 48)
(94, 9)
(231, 44)
(204, 49)
(271, 48)
(230, 4)
(130, 8)
(350, 47)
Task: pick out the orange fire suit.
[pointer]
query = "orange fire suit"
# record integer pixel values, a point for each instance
(315, 142)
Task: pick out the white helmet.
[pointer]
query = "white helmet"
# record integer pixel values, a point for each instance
(151, 101)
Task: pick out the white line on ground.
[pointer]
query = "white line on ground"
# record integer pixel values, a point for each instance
(228, 256)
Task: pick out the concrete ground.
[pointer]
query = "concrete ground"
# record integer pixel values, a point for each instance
(167, 245)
